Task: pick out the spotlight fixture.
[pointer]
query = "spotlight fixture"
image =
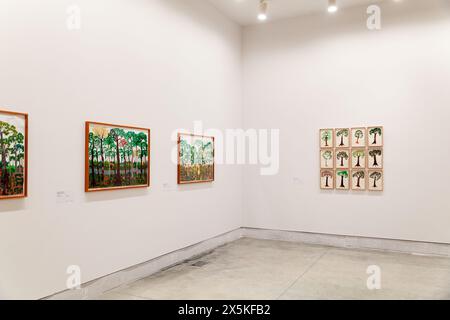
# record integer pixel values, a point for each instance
(262, 15)
(332, 6)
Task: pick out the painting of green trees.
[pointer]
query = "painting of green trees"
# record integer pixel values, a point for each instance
(196, 159)
(13, 127)
(116, 157)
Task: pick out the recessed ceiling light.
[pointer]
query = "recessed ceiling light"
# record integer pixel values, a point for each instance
(262, 15)
(332, 6)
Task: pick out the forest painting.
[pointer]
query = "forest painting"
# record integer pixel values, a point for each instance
(195, 158)
(13, 154)
(117, 157)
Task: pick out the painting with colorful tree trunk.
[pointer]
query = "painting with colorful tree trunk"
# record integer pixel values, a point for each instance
(359, 180)
(358, 136)
(117, 157)
(13, 155)
(376, 135)
(195, 158)
(342, 179)
(342, 138)
(375, 158)
(326, 179)
(376, 180)
(326, 138)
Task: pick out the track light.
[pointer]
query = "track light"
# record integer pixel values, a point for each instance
(332, 6)
(262, 15)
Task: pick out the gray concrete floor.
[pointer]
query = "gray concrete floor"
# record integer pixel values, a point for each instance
(263, 269)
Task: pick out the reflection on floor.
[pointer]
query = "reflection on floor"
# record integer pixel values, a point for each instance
(263, 269)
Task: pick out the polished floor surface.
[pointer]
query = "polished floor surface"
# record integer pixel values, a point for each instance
(263, 269)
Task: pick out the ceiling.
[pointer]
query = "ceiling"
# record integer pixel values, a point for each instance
(244, 12)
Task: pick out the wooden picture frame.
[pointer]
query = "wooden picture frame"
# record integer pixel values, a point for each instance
(378, 184)
(377, 137)
(326, 174)
(180, 179)
(103, 134)
(342, 181)
(22, 144)
(358, 179)
(326, 143)
(327, 162)
(342, 137)
(358, 137)
(375, 158)
(359, 158)
(342, 161)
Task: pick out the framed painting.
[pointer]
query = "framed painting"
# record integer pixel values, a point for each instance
(342, 179)
(326, 138)
(358, 137)
(326, 179)
(376, 180)
(359, 180)
(195, 158)
(326, 158)
(342, 137)
(116, 157)
(342, 158)
(359, 158)
(375, 136)
(375, 158)
(13, 155)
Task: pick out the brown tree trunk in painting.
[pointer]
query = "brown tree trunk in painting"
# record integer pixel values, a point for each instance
(359, 164)
(4, 167)
(375, 162)
(374, 183)
(118, 177)
(375, 138)
(342, 140)
(326, 142)
(103, 160)
(342, 182)
(326, 182)
(342, 162)
(358, 184)
(92, 166)
(142, 155)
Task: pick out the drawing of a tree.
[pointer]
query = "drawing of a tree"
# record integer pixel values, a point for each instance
(327, 155)
(342, 133)
(358, 154)
(374, 154)
(101, 133)
(327, 175)
(343, 175)
(359, 175)
(358, 135)
(326, 135)
(342, 155)
(375, 176)
(375, 132)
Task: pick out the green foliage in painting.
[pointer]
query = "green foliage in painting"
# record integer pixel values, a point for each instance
(326, 136)
(343, 175)
(375, 132)
(359, 175)
(375, 176)
(12, 151)
(358, 155)
(196, 159)
(117, 157)
(359, 134)
(327, 155)
(342, 133)
(342, 155)
(375, 154)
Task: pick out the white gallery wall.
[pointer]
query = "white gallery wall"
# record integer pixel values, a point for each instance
(160, 64)
(330, 71)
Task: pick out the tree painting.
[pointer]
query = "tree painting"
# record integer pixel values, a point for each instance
(343, 176)
(358, 155)
(374, 154)
(359, 134)
(326, 137)
(375, 176)
(117, 157)
(341, 134)
(341, 156)
(195, 159)
(327, 175)
(13, 127)
(375, 133)
(359, 175)
(327, 156)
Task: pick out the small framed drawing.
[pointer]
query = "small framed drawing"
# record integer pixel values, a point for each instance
(358, 137)
(375, 158)
(359, 180)
(342, 137)
(375, 136)
(195, 158)
(376, 180)
(326, 179)
(14, 155)
(342, 158)
(326, 138)
(326, 158)
(342, 179)
(359, 158)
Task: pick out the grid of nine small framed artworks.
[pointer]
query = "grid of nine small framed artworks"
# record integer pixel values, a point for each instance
(352, 158)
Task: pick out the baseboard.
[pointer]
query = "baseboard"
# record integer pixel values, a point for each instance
(95, 288)
(364, 243)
